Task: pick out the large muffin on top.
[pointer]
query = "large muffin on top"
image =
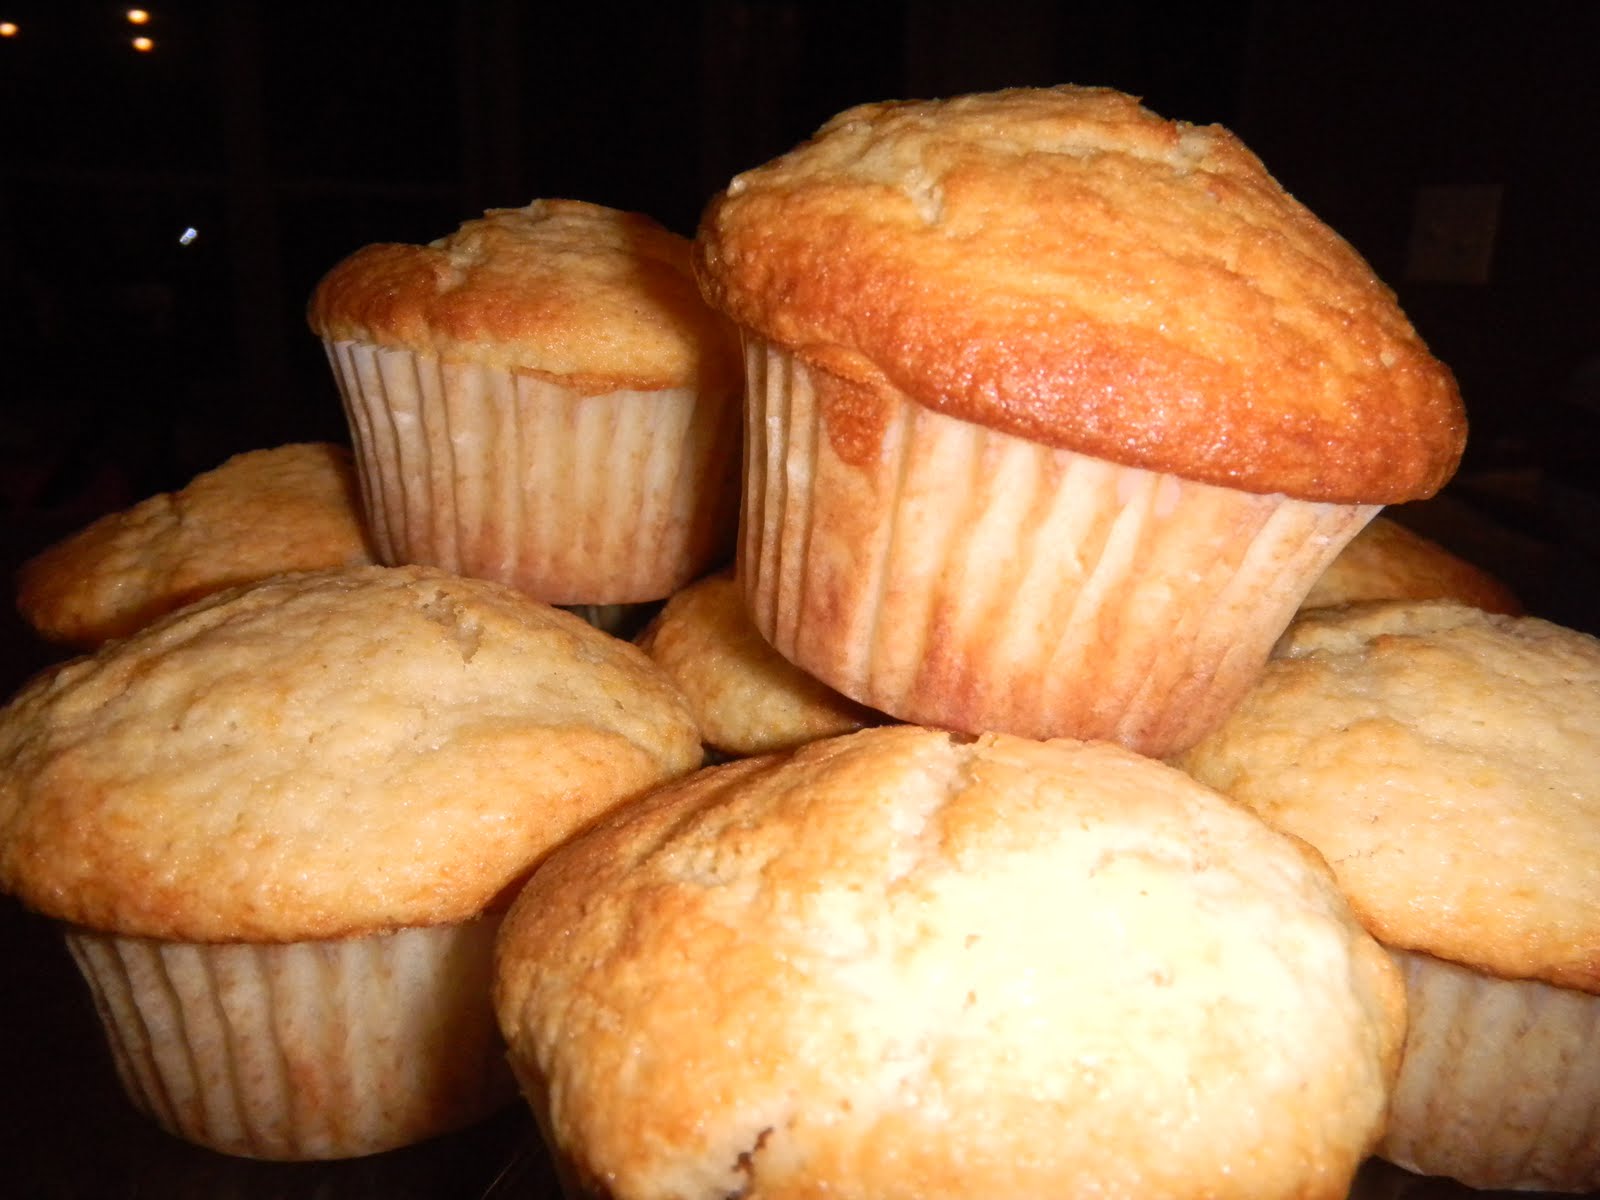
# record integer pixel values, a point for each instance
(1056, 409)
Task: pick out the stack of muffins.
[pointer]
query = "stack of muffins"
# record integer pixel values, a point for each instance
(1094, 811)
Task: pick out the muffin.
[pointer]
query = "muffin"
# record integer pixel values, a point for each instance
(292, 508)
(1387, 561)
(747, 697)
(1446, 762)
(1056, 410)
(281, 826)
(540, 398)
(902, 963)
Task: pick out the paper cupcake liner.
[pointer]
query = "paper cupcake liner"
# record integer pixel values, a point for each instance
(952, 575)
(615, 498)
(1500, 1081)
(309, 1050)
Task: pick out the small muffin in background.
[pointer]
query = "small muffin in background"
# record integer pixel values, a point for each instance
(1387, 561)
(281, 826)
(903, 963)
(1446, 762)
(748, 698)
(540, 398)
(1056, 409)
(261, 513)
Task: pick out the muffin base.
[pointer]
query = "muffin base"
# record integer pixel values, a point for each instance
(312, 1050)
(1499, 1083)
(952, 575)
(615, 498)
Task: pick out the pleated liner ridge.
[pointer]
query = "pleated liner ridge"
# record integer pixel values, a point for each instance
(956, 576)
(1500, 1081)
(575, 499)
(312, 1050)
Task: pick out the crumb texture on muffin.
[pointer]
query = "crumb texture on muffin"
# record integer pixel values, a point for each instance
(324, 755)
(604, 299)
(290, 508)
(1446, 762)
(748, 698)
(902, 964)
(1065, 265)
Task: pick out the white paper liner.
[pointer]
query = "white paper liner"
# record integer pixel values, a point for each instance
(1500, 1081)
(957, 576)
(616, 498)
(310, 1050)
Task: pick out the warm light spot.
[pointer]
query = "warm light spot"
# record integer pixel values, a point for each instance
(138, 16)
(8, 29)
(143, 44)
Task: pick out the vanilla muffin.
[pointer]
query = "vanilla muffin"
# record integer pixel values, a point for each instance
(902, 963)
(1446, 762)
(281, 826)
(1387, 561)
(292, 508)
(748, 698)
(1056, 409)
(540, 398)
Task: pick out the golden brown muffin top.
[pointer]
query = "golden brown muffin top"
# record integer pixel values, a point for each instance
(1446, 762)
(1387, 561)
(261, 513)
(323, 755)
(748, 698)
(901, 963)
(602, 298)
(1064, 265)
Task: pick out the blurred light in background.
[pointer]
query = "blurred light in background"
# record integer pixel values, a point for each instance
(188, 235)
(8, 29)
(143, 44)
(138, 16)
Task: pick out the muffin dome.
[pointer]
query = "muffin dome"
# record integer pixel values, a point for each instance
(1064, 265)
(324, 755)
(605, 299)
(261, 513)
(904, 964)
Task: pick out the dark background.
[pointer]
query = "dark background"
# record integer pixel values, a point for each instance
(289, 134)
(1453, 144)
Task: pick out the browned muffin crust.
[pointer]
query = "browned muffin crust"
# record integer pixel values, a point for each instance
(326, 754)
(1446, 763)
(747, 697)
(261, 513)
(604, 299)
(902, 964)
(1064, 265)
